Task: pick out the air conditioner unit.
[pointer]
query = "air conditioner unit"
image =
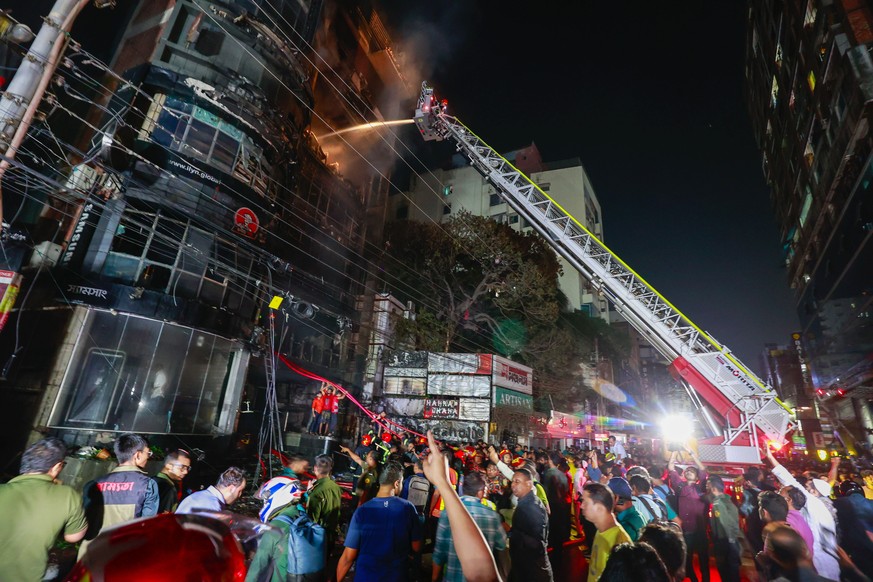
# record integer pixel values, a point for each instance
(45, 254)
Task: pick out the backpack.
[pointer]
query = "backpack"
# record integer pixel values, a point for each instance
(659, 516)
(419, 492)
(306, 545)
(672, 500)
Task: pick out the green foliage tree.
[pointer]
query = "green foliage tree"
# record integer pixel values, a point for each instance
(491, 288)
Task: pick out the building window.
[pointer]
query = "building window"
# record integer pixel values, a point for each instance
(545, 186)
(513, 219)
(402, 213)
(136, 374)
(201, 135)
(447, 209)
(160, 253)
(494, 200)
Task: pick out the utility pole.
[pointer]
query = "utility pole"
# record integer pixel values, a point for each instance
(19, 102)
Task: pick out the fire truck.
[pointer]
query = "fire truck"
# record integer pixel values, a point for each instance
(741, 412)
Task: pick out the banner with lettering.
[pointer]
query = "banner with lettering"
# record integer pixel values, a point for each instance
(440, 408)
(507, 397)
(86, 295)
(450, 430)
(83, 232)
(509, 374)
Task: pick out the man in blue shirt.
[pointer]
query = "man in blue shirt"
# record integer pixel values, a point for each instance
(382, 534)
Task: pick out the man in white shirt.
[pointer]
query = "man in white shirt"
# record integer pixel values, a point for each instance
(821, 522)
(617, 449)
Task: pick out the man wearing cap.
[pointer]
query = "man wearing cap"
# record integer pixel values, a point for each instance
(725, 528)
(822, 489)
(855, 516)
(625, 512)
(820, 520)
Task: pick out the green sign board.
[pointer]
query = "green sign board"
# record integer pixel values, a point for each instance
(505, 397)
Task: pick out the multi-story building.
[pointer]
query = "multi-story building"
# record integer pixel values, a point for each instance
(784, 367)
(436, 195)
(809, 77)
(205, 196)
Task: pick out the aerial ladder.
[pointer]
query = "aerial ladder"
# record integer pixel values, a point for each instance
(742, 413)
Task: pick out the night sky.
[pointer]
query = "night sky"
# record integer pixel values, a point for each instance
(650, 96)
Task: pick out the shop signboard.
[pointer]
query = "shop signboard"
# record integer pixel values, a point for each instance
(459, 385)
(459, 363)
(93, 294)
(474, 409)
(449, 430)
(407, 360)
(83, 232)
(440, 408)
(405, 372)
(508, 374)
(507, 397)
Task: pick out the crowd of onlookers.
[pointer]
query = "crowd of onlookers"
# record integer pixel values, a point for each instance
(482, 512)
(639, 514)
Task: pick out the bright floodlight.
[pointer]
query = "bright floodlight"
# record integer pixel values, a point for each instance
(677, 428)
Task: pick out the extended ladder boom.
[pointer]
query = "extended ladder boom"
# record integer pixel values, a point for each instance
(749, 410)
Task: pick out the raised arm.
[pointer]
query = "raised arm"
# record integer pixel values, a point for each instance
(477, 563)
(504, 469)
(353, 456)
(835, 469)
(782, 474)
(671, 464)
